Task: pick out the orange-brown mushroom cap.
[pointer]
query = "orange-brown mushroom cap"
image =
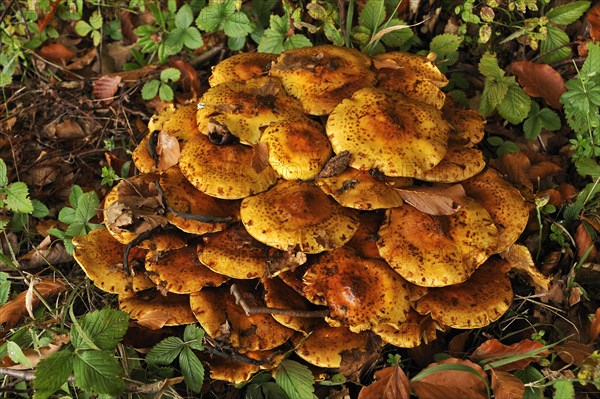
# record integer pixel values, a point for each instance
(414, 331)
(459, 163)
(279, 295)
(467, 125)
(173, 308)
(177, 121)
(241, 68)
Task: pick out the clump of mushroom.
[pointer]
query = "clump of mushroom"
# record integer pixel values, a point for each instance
(320, 201)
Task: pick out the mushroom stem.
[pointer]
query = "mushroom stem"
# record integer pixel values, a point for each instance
(250, 310)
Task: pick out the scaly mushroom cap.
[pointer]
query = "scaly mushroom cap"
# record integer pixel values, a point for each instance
(347, 283)
(411, 75)
(386, 131)
(414, 331)
(101, 258)
(364, 241)
(224, 320)
(298, 148)
(241, 68)
(279, 295)
(358, 189)
(467, 125)
(295, 215)
(245, 109)
(177, 121)
(141, 158)
(237, 372)
(477, 302)
(321, 77)
(224, 171)
(182, 196)
(180, 272)
(506, 206)
(436, 251)
(324, 346)
(173, 307)
(458, 164)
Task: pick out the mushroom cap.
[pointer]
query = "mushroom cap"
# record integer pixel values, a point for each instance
(180, 272)
(279, 295)
(415, 64)
(504, 203)
(298, 215)
(234, 253)
(358, 189)
(458, 164)
(477, 302)
(241, 67)
(181, 196)
(467, 125)
(293, 277)
(177, 121)
(298, 148)
(364, 241)
(237, 372)
(245, 109)
(101, 258)
(435, 251)
(386, 131)
(175, 306)
(142, 159)
(224, 171)
(324, 345)
(320, 77)
(360, 292)
(415, 330)
(223, 319)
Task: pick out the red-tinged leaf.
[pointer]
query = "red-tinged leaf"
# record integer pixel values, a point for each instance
(573, 352)
(127, 27)
(540, 80)
(190, 82)
(106, 87)
(595, 326)
(593, 18)
(391, 383)
(434, 200)
(493, 350)
(506, 385)
(48, 16)
(515, 167)
(584, 243)
(56, 53)
(82, 61)
(542, 170)
(451, 379)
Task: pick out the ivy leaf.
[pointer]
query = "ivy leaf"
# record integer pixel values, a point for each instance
(372, 15)
(556, 45)
(184, 17)
(51, 373)
(105, 328)
(515, 106)
(193, 336)
(295, 379)
(3, 174)
(165, 351)
(568, 13)
(237, 25)
(98, 372)
(17, 198)
(150, 89)
(192, 369)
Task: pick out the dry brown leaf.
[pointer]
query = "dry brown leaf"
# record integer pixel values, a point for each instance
(515, 167)
(154, 319)
(492, 350)
(456, 346)
(190, 81)
(573, 352)
(106, 87)
(82, 61)
(7, 124)
(506, 385)
(540, 80)
(127, 27)
(521, 261)
(391, 383)
(168, 151)
(47, 17)
(69, 129)
(35, 357)
(584, 243)
(575, 295)
(56, 53)
(593, 18)
(452, 384)
(44, 254)
(434, 200)
(542, 170)
(595, 326)
(385, 64)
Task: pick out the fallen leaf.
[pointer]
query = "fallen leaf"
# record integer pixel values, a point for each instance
(69, 129)
(48, 15)
(595, 326)
(35, 357)
(154, 319)
(127, 27)
(167, 149)
(82, 61)
(593, 18)
(451, 383)
(189, 80)
(106, 87)
(434, 200)
(115, 55)
(354, 361)
(56, 53)
(540, 80)
(521, 261)
(542, 170)
(456, 346)
(515, 167)
(7, 124)
(493, 350)
(575, 296)
(336, 165)
(573, 352)
(44, 254)
(385, 64)
(391, 383)
(506, 385)
(584, 243)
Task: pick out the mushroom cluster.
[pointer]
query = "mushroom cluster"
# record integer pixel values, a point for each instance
(318, 200)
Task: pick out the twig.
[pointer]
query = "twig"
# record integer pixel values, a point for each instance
(206, 56)
(225, 352)
(250, 310)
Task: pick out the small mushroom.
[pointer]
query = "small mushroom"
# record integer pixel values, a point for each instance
(241, 68)
(173, 309)
(459, 163)
(415, 330)
(177, 121)
(279, 295)
(467, 125)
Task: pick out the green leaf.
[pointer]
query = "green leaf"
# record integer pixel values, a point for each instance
(591, 66)
(3, 174)
(445, 44)
(16, 354)
(165, 92)
(495, 91)
(96, 38)
(87, 206)
(96, 20)
(236, 43)
(105, 328)
(532, 127)
(530, 374)
(488, 66)
(165, 351)
(556, 45)
(184, 17)
(563, 389)
(98, 372)
(39, 209)
(192, 369)
(588, 167)
(82, 28)
(174, 40)
(211, 18)
(193, 336)
(515, 106)
(295, 379)
(372, 15)
(170, 74)
(51, 373)
(4, 287)
(568, 13)
(550, 119)
(150, 89)
(67, 215)
(495, 140)
(296, 41)
(76, 192)
(17, 198)
(265, 390)
(397, 38)
(57, 233)
(192, 38)
(237, 25)
(271, 42)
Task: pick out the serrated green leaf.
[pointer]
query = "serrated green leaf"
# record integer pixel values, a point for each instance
(87, 206)
(295, 379)
(556, 45)
(67, 215)
(57, 233)
(213, 16)
(39, 209)
(76, 192)
(296, 41)
(588, 167)
(568, 13)
(265, 390)
(488, 67)
(82, 28)
(530, 374)
(563, 389)
(495, 140)
(5, 285)
(165, 351)
(170, 74)
(51, 373)
(105, 328)
(17, 198)
(96, 20)
(591, 66)
(397, 38)
(98, 372)
(144, 30)
(237, 25)
(174, 41)
(150, 89)
(165, 92)
(16, 354)
(372, 15)
(184, 17)
(96, 38)
(532, 127)
(550, 119)
(515, 106)
(445, 44)
(236, 43)
(3, 174)
(271, 42)
(192, 369)
(192, 38)
(495, 91)
(193, 336)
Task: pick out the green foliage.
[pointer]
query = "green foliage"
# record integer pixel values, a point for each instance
(161, 87)
(445, 46)
(93, 27)
(77, 216)
(503, 146)
(295, 379)
(110, 176)
(4, 288)
(539, 119)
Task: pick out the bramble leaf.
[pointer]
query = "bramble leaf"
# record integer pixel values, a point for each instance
(372, 15)
(51, 373)
(295, 379)
(568, 13)
(17, 198)
(515, 106)
(165, 351)
(192, 369)
(105, 328)
(98, 372)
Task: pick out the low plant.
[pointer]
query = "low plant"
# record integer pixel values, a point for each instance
(161, 87)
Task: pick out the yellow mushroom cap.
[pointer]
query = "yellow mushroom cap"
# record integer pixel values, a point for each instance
(435, 251)
(237, 372)
(101, 258)
(358, 189)
(298, 148)
(385, 131)
(174, 307)
(245, 109)
(241, 67)
(477, 302)
(179, 271)
(467, 125)
(458, 164)
(321, 77)
(506, 206)
(142, 159)
(177, 121)
(360, 292)
(182, 196)
(224, 171)
(295, 215)
(414, 331)
(279, 295)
